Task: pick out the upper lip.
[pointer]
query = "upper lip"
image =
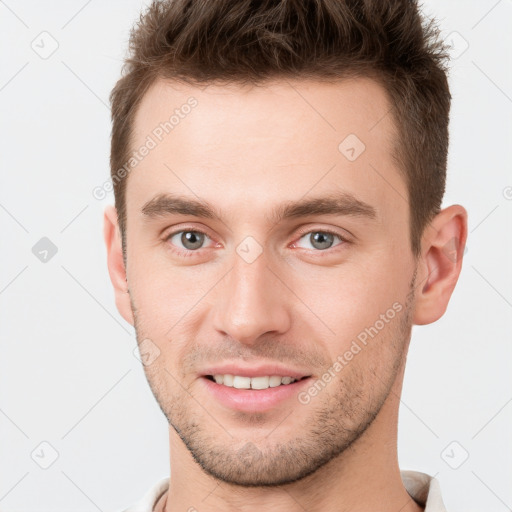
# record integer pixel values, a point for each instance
(255, 370)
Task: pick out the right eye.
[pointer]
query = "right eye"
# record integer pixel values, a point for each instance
(191, 241)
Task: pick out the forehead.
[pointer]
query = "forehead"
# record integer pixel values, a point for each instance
(356, 104)
(265, 143)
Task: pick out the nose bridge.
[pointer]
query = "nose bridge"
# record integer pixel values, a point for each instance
(250, 302)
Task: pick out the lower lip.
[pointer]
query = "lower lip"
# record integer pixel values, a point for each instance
(254, 400)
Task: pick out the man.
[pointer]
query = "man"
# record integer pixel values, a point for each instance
(278, 170)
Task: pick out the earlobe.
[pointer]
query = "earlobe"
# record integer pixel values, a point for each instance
(115, 263)
(440, 264)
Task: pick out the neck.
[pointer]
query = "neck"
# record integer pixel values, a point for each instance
(365, 477)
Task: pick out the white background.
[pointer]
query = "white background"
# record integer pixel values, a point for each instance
(68, 375)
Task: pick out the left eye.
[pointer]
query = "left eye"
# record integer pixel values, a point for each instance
(321, 240)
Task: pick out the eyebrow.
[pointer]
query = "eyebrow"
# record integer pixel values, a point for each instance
(341, 203)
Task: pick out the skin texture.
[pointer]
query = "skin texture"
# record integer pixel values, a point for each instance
(245, 150)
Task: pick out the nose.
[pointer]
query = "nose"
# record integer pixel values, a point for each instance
(250, 302)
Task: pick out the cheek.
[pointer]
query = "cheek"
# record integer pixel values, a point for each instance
(343, 302)
(167, 299)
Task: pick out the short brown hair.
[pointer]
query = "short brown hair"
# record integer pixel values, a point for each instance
(248, 41)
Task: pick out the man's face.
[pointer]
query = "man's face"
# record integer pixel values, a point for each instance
(230, 295)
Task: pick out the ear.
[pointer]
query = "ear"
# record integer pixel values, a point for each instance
(440, 263)
(116, 268)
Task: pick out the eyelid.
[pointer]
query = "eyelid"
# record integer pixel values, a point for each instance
(179, 229)
(308, 229)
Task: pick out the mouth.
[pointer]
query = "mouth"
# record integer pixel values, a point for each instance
(260, 393)
(258, 382)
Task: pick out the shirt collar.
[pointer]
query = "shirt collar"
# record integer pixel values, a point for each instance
(424, 489)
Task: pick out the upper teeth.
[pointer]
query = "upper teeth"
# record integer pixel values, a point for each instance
(239, 382)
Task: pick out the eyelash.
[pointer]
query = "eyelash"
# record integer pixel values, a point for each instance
(301, 233)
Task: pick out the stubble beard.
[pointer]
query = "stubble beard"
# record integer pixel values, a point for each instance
(338, 419)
